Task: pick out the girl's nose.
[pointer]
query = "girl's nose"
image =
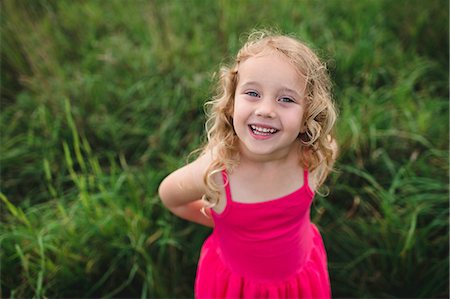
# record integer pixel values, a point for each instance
(265, 109)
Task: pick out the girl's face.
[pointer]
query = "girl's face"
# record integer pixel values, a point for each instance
(268, 106)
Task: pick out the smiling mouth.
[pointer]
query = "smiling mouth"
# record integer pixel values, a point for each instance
(262, 131)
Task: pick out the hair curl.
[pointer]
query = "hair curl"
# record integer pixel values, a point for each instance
(317, 148)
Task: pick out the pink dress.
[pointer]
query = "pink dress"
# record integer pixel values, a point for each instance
(264, 250)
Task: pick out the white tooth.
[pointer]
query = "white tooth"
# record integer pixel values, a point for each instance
(263, 131)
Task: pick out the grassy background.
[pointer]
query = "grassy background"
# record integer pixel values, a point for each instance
(101, 99)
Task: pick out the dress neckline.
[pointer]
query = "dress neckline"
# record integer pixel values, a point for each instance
(230, 202)
(269, 201)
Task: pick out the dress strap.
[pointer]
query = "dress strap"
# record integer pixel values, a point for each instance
(305, 177)
(226, 183)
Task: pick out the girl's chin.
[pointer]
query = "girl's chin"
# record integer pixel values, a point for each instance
(259, 150)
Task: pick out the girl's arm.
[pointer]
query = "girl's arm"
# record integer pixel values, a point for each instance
(181, 191)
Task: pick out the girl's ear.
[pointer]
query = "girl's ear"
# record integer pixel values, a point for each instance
(303, 128)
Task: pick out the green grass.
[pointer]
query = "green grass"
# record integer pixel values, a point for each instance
(99, 102)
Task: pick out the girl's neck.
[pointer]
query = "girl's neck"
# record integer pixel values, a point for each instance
(264, 163)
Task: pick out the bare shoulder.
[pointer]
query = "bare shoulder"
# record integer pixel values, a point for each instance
(317, 175)
(186, 183)
(334, 147)
(313, 180)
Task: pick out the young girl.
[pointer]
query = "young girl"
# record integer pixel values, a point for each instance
(269, 148)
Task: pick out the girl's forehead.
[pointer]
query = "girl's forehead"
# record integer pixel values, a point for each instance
(271, 66)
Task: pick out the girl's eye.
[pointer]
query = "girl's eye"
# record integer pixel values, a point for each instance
(286, 100)
(252, 93)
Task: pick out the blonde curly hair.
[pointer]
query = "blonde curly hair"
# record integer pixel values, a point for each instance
(318, 150)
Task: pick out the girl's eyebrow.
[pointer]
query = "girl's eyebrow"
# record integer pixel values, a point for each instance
(250, 83)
